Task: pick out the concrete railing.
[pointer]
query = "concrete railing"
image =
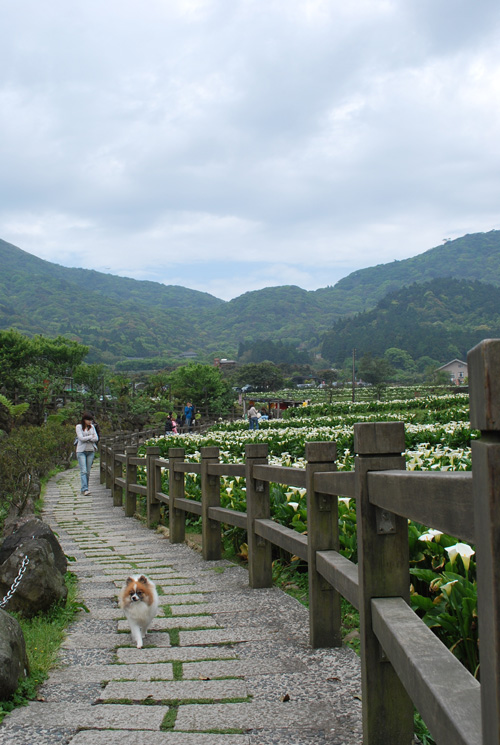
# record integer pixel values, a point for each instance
(403, 663)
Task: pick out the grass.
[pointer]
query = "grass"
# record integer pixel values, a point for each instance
(43, 636)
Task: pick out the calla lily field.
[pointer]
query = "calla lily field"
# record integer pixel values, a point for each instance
(438, 437)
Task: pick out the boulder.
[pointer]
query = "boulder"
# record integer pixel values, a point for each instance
(42, 584)
(24, 533)
(13, 660)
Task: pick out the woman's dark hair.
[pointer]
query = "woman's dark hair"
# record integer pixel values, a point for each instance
(85, 416)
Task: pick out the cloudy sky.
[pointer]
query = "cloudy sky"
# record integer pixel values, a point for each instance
(229, 145)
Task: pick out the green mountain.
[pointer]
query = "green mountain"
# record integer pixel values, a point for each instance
(122, 318)
(116, 316)
(441, 319)
(475, 256)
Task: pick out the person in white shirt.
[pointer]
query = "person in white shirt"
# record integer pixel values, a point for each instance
(253, 417)
(86, 445)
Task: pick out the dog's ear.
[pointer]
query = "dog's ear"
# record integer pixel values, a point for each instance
(143, 580)
(129, 580)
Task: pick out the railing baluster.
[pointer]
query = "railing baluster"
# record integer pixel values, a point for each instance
(177, 517)
(153, 505)
(322, 535)
(259, 550)
(210, 497)
(130, 478)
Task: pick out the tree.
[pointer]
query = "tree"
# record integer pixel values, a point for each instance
(375, 370)
(264, 376)
(400, 359)
(34, 370)
(204, 386)
(92, 377)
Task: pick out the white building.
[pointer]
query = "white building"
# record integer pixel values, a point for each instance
(456, 369)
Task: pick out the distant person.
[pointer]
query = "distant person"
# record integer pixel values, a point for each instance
(169, 425)
(189, 414)
(96, 427)
(253, 418)
(86, 445)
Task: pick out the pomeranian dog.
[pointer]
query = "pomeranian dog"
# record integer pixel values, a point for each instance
(139, 600)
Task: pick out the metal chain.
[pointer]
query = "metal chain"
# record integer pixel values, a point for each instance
(16, 582)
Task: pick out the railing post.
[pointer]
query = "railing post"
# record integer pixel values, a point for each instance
(117, 469)
(383, 566)
(109, 463)
(177, 517)
(130, 478)
(153, 505)
(484, 376)
(102, 459)
(210, 497)
(258, 506)
(322, 535)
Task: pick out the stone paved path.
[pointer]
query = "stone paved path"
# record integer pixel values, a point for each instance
(219, 659)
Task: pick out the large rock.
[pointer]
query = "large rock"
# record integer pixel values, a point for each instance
(13, 660)
(42, 584)
(33, 528)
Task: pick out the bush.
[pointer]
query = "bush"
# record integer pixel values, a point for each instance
(27, 455)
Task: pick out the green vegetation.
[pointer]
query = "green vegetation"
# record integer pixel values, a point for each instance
(204, 385)
(43, 635)
(147, 325)
(26, 456)
(34, 371)
(439, 320)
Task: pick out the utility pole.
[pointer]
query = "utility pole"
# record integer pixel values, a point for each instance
(353, 374)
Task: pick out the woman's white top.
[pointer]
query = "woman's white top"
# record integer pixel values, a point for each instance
(86, 438)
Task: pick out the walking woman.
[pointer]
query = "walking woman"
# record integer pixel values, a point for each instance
(86, 439)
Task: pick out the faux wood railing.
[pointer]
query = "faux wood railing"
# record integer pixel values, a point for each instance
(403, 663)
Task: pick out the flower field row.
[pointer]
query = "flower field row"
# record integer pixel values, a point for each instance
(444, 586)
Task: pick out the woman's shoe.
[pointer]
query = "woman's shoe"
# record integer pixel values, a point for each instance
(86, 493)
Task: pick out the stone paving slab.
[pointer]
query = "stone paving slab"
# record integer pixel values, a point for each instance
(220, 636)
(99, 673)
(157, 738)
(105, 614)
(104, 716)
(177, 689)
(281, 715)
(174, 596)
(111, 641)
(230, 668)
(96, 591)
(186, 609)
(131, 655)
(162, 624)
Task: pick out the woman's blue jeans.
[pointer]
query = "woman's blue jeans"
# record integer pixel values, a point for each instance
(85, 461)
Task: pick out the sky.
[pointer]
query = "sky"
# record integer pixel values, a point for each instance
(230, 145)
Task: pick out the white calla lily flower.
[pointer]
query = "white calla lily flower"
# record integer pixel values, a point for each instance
(463, 550)
(430, 535)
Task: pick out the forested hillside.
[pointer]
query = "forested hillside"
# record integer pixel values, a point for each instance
(116, 316)
(441, 319)
(475, 256)
(125, 319)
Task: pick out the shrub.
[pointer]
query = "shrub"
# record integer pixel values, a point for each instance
(27, 455)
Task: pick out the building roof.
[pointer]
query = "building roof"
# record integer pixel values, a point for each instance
(461, 362)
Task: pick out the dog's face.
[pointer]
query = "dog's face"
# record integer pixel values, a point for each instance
(137, 589)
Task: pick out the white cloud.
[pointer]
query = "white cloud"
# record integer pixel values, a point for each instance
(297, 142)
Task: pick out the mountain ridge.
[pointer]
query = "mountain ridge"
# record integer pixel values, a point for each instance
(124, 317)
